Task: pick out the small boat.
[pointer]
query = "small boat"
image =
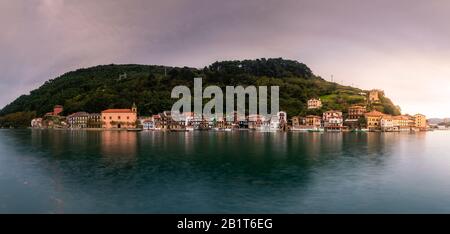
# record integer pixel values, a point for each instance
(222, 129)
(316, 130)
(134, 129)
(299, 129)
(333, 130)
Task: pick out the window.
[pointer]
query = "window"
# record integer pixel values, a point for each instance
(110, 117)
(118, 117)
(128, 117)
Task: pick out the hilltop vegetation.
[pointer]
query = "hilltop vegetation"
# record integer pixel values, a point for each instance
(118, 86)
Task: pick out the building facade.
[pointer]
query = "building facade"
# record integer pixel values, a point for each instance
(298, 121)
(119, 118)
(147, 123)
(279, 121)
(327, 115)
(314, 103)
(402, 122)
(356, 112)
(78, 120)
(95, 120)
(373, 120)
(333, 120)
(313, 121)
(255, 121)
(420, 122)
(37, 123)
(387, 124)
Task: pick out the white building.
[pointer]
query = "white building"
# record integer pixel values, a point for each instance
(333, 120)
(387, 124)
(279, 120)
(314, 103)
(36, 123)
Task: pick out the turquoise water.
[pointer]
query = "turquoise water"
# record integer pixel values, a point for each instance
(43, 171)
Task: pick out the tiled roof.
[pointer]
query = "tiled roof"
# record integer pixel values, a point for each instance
(118, 111)
(333, 111)
(77, 114)
(374, 113)
(401, 117)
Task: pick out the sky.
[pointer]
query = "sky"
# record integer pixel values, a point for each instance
(401, 47)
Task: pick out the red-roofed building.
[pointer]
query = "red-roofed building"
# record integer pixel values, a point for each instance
(58, 109)
(119, 118)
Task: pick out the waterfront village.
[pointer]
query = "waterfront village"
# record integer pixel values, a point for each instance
(357, 118)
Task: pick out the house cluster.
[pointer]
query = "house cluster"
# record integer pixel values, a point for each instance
(109, 119)
(128, 119)
(189, 121)
(357, 118)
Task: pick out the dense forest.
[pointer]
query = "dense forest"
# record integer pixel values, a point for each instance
(119, 86)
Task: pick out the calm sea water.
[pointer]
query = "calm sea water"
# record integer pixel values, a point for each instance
(44, 171)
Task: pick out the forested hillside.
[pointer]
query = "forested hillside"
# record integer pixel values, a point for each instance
(118, 86)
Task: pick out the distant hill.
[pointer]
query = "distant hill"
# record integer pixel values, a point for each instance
(149, 86)
(438, 120)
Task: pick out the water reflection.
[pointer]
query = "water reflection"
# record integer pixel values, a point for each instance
(119, 145)
(166, 172)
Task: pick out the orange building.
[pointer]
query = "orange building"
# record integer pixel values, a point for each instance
(373, 119)
(298, 121)
(402, 122)
(119, 118)
(314, 121)
(420, 121)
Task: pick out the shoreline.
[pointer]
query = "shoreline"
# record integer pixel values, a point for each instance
(235, 130)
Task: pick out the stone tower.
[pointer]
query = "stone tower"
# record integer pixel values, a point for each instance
(375, 95)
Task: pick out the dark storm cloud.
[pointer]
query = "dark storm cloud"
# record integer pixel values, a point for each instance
(367, 43)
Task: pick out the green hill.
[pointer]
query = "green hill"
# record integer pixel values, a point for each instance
(118, 86)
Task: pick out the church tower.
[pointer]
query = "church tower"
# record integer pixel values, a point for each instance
(134, 108)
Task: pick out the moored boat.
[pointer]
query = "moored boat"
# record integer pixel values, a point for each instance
(134, 129)
(316, 130)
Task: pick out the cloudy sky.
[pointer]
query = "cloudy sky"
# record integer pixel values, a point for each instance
(402, 47)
